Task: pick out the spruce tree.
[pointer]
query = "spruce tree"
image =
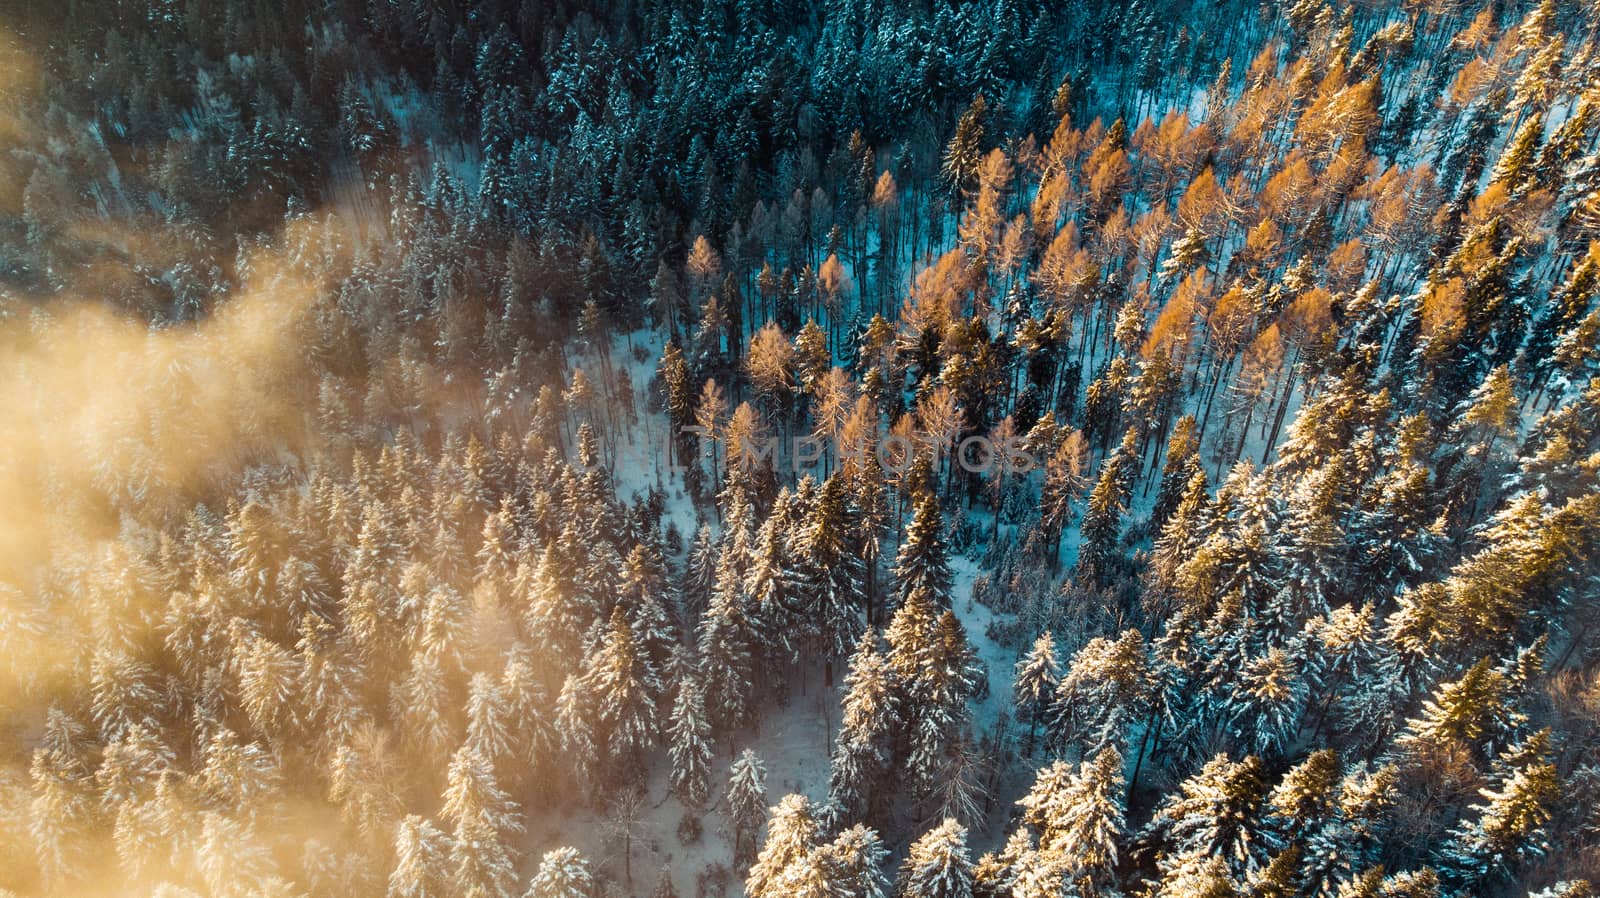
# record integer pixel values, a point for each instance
(1102, 521)
(833, 574)
(965, 150)
(922, 565)
(747, 800)
(1180, 464)
(727, 643)
(1037, 673)
(938, 864)
(573, 722)
(938, 706)
(420, 860)
(1269, 702)
(855, 858)
(1510, 827)
(1104, 692)
(483, 818)
(488, 727)
(688, 736)
(562, 873)
(865, 744)
(1079, 816)
(1467, 711)
(1305, 798)
(700, 576)
(791, 836)
(625, 692)
(1213, 814)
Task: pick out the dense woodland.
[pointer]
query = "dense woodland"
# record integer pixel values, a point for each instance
(874, 449)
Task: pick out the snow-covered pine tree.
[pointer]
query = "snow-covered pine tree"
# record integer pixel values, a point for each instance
(727, 643)
(1213, 815)
(484, 817)
(939, 708)
(1353, 839)
(1102, 694)
(624, 690)
(1179, 465)
(1303, 801)
(1037, 674)
(791, 836)
(700, 575)
(1079, 816)
(938, 865)
(576, 731)
(1102, 516)
(833, 573)
(923, 565)
(855, 858)
(910, 634)
(238, 775)
(473, 795)
(688, 735)
(644, 594)
(497, 561)
(556, 614)
(421, 860)
(1470, 711)
(782, 620)
(131, 766)
(488, 727)
(62, 811)
(563, 873)
(1269, 702)
(965, 150)
(268, 676)
(747, 801)
(1510, 827)
(534, 739)
(865, 744)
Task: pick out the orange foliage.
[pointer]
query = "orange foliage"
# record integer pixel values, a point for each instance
(1143, 136)
(1340, 114)
(1265, 64)
(1478, 34)
(1204, 203)
(1048, 201)
(1063, 145)
(1116, 237)
(1309, 315)
(1013, 245)
(939, 290)
(1229, 320)
(1055, 262)
(1108, 178)
(1265, 354)
(1173, 148)
(1394, 196)
(1470, 82)
(1487, 204)
(1348, 169)
(1150, 232)
(1347, 264)
(884, 193)
(1287, 191)
(1264, 241)
(1443, 309)
(1175, 324)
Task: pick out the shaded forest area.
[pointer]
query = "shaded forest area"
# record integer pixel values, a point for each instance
(492, 449)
